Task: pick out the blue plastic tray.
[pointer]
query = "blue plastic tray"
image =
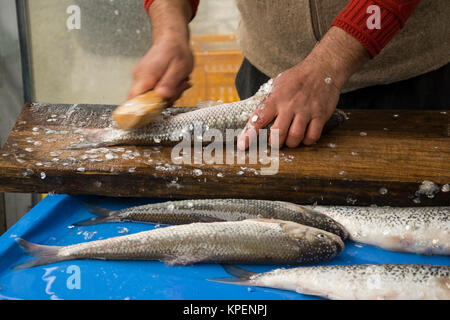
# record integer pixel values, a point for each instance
(50, 223)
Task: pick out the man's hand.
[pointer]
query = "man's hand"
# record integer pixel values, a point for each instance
(169, 62)
(305, 96)
(165, 68)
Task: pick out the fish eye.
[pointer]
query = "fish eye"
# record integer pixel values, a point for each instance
(321, 235)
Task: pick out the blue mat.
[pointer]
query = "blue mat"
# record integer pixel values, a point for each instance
(50, 223)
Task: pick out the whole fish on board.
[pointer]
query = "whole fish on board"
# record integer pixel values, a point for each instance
(353, 282)
(248, 241)
(170, 129)
(211, 210)
(423, 230)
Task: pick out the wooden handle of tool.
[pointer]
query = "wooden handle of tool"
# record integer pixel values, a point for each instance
(139, 111)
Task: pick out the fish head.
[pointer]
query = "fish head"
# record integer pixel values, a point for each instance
(317, 242)
(321, 221)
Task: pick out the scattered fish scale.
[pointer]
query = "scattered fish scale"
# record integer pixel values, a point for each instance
(249, 241)
(210, 210)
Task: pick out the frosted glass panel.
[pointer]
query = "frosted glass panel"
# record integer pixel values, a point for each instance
(88, 65)
(93, 64)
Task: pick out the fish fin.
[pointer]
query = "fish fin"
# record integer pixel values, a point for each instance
(207, 104)
(96, 138)
(269, 220)
(336, 119)
(181, 260)
(238, 272)
(205, 218)
(231, 280)
(102, 215)
(242, 276)
(173, 111)
(42, 254)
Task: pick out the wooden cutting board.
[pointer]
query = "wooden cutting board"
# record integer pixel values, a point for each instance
(376, 157)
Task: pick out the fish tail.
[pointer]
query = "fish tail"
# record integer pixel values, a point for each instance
(102, 215)
(96, 138)
(242, 276)
(336, 119)
(42, 254)
(238, 272)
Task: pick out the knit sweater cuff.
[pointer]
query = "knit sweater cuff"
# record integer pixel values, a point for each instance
(375, 22)
(194, 5)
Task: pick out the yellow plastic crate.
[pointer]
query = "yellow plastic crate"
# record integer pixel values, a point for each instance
(217, 61)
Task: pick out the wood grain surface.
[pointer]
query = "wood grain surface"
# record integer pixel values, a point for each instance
(376, 157)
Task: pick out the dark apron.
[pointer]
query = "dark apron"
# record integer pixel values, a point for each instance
(429, 91)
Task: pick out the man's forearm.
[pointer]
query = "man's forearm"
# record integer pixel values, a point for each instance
(170, 18)
(341, 54)
(375, 22)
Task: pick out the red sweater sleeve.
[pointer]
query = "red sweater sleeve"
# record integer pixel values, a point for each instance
(359, 18)
(194, 5)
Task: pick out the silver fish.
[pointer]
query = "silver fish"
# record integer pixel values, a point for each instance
(171, 128)
(248, 241)
(423, 230)
(353, 282)
(210, 210)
